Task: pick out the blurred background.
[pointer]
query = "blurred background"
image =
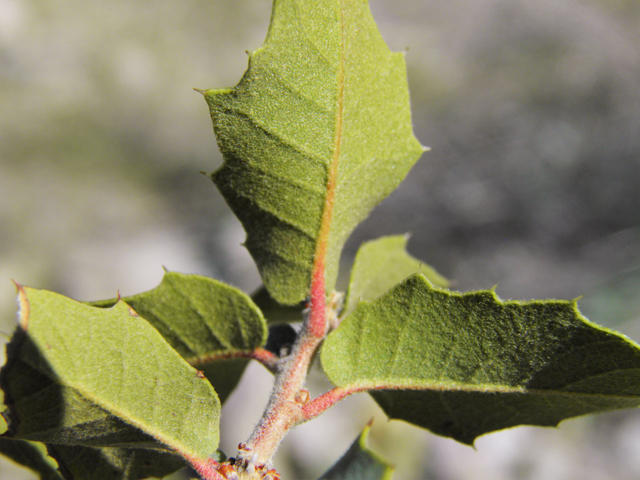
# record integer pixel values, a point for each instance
(532, 110)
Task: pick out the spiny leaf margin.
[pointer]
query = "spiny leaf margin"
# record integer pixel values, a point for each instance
(200, 317)
(317, 133)
(206, 321)
(462, 365)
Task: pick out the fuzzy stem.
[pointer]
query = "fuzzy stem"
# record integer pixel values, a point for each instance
(206, 468)
(285, 405)
(318, 405)
(284, 410)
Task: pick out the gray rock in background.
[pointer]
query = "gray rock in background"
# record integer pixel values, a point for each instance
(532, 110)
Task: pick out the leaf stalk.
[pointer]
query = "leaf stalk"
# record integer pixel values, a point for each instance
(285, 407)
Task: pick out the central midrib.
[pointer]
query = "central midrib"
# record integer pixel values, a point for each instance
(320, 257)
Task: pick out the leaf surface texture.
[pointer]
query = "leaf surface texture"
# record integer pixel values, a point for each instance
(380, 265)
(463, 365)
(317, 133)
(80, 375)
(205, 321)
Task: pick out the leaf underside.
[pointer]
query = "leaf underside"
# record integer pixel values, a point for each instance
(86, 376)
(380, 265)
(462, 365)
(204, 320)
(360, 463)
(317, 133)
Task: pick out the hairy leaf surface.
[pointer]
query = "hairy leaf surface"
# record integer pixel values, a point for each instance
(205, 321)
(466, 364)
(200, 317)
(80, 375)
(380, 265)
(360, 463)
(317, 133)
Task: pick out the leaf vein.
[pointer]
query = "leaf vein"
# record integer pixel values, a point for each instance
(277, 136)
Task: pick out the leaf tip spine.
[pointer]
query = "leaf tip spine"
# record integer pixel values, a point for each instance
(576, 300)
(365, 434)
(24, 307)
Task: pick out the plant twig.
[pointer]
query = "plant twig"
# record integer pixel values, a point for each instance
(265, 357)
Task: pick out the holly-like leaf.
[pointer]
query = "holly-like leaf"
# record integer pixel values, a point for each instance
(109, 463)
(31, 455)
(360, 463)
(80, 375)
(463, 365)
(317, 133)
(380, 265)
(200, 317)
(205, 321)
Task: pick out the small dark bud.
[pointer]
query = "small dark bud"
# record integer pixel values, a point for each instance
(281, 339)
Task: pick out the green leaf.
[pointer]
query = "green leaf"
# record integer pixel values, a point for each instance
(275, 312)
(108, 463)
(360, 463)
(79, 375)
(317, 133)
(205, 321)
(31, 455)
(200, 317)
(381, 264)
(463, 365)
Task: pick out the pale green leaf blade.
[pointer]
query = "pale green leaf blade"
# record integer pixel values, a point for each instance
(463, 365)
(205, 321)
(381, 264)
(111, 463)
(31, 455)
(80, 375)
(360, 463)
(317, 133)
